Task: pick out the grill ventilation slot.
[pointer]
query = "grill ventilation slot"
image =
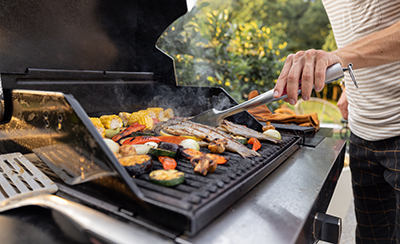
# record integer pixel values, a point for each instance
(19, 179)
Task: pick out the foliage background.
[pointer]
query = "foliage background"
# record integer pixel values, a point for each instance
(241, 45)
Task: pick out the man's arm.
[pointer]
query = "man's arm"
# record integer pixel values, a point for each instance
(343, 105)
(376, 49)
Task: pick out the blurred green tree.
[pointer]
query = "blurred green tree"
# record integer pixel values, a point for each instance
(241, 45)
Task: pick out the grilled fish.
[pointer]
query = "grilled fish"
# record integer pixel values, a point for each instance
(182, 126)
(242, 130)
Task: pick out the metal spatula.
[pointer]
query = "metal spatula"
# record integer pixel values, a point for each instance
(22, 184)
(213, 117)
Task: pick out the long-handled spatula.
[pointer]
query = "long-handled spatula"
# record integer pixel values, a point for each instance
(213, 117)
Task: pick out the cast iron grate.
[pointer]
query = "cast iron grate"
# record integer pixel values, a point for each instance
(197, 190)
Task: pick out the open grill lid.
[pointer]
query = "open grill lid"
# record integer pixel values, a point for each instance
(95, 35)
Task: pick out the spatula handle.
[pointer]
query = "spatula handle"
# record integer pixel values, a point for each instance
(333, 73)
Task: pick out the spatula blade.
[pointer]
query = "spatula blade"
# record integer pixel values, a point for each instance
(20, 179)
(210, 117)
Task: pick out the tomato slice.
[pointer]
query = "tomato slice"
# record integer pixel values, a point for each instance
(256, 143)
(167, 162)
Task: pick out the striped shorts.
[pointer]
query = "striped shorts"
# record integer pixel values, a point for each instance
(375, 180)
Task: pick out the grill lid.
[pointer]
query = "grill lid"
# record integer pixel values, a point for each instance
(90, 35)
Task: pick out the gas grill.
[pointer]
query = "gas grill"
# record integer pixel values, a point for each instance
(65, 61)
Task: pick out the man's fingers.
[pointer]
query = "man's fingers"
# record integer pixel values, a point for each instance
(307, 77)
(320, 71)
(282, 79)
(293, 78)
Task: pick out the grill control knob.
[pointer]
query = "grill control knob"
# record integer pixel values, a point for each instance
(327, 228)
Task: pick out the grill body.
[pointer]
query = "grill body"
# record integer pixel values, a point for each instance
(57, 128)
(63, 61)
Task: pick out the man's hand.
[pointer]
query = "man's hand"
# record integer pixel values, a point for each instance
(343, 105)
(309, 67)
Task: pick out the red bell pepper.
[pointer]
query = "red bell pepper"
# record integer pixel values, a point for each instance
(132, 128)
(141, 140)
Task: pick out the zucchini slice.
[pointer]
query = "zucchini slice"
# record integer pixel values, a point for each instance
(162, 152)
(169, 177)
(240, 139)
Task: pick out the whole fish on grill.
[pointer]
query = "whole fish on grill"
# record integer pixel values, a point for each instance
(242, 130)
(182, 126)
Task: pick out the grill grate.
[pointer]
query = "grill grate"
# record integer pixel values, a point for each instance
(197, 191)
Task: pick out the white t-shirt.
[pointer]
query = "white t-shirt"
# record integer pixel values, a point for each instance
(374, 107)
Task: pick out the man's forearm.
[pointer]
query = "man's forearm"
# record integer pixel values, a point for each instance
(376, 49)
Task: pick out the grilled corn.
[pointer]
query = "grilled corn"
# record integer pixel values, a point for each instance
(124, 117)
(141, 117)
(98, 125)
(155, 112)
(166, 115)
(111, 121)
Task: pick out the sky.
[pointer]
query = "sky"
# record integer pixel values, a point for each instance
(190, 4)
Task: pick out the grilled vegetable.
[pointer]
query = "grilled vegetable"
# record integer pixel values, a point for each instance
(256, 143)
(137, 164)
(128, 131)
(109, 133)
(167, 162)
(169, 146)
(114, 147)
(273, 134)
(111, 121)
(189, 153)
(162, 152)
(167, 114)
(268, 126)
(167, 177)
(127, 150)
(155, 112)
(124, 117)
(217, 146)
(142, 149)
(151, 144)
(190, 143)
(172, 139)
(98, 125)
(240, 139)
(204, 164)
(142, 140)
(142, 133)
(142, 117)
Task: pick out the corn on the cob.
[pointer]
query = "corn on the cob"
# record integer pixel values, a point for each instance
(111, 121)
(141, 117)
(124, 117)
(155, 112)
(167, 114)
(98, 125)
(133, 118)
(147, 121)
